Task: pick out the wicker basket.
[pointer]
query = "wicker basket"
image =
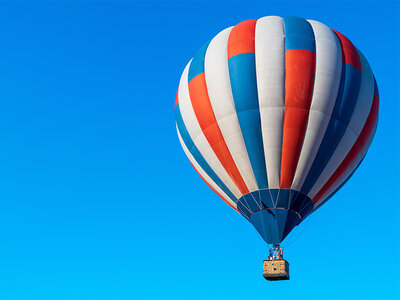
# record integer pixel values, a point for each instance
(276, 269)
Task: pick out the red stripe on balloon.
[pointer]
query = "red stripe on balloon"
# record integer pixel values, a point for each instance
(349, 52)
(299, 82)
(241, 38)
(206, 118)
(355, 150)
(176, 98)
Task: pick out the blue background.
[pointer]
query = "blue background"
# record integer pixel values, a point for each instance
(97, 199)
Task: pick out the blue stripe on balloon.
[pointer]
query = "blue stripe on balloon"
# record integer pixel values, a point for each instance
(197, 155)
(242, 72)
(343, 110)
(299, 34)
(197, 64)
(376, 90)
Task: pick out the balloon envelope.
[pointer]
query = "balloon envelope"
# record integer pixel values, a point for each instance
(275, 115)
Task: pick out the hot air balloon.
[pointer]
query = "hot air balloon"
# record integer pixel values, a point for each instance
(275, 115)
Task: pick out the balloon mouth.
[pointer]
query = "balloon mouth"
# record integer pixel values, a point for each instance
(275, 212)
(274, 224)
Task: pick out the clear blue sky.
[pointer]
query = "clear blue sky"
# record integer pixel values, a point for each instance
(98, 200)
